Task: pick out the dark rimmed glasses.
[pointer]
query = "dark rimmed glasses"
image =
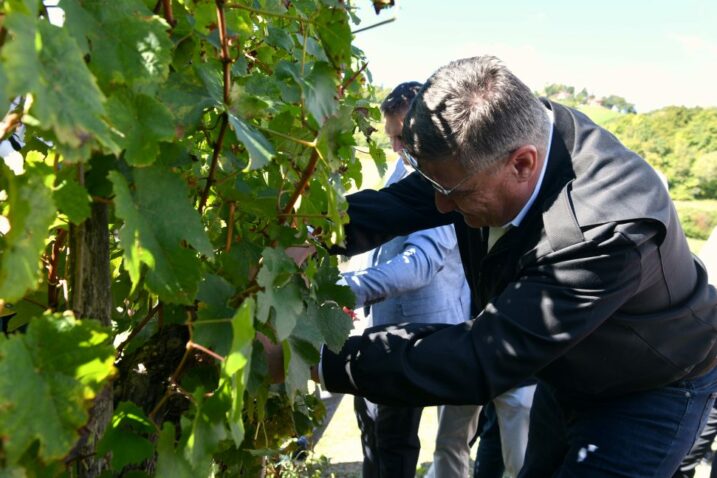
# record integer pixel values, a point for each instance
(444, 191)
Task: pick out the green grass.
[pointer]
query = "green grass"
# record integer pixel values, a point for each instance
(598, 114)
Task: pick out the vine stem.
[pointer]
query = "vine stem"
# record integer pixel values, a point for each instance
(308, 144)
(226, 66)
(215, 159)
(211, 353)
(224, 41)
(172, 382)
(348, 82)
(139, 327)
(52, 279)
(230, 227)
(305, 177)
(168, 15)
(267, 13)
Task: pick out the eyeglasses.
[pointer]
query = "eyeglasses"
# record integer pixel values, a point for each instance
(444, 191)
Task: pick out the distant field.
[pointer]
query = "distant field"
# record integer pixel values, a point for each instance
(598, 114)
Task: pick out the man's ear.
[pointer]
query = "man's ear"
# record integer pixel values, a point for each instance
(524, 162)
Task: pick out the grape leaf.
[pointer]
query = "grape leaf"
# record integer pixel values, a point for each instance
(187, 98)
(158, 217)
(280, 294)
(169, 461)
(124, 436)
(130, 45)
(213, 296)
(211, 76)
(259, 149)
(4, 99)
(206, 432)
(333, 324)
(142, 122)
(319, 90)
(72, 199)
(335, 34)
(336, 139)
(47, 62)
(31, 214)
(58, 367)
(237, 366)
(379, 157)
(279, 38)
(296, 367)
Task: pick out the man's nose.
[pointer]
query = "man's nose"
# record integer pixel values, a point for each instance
(444, 204)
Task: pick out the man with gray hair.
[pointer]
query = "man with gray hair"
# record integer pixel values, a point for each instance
(579, 271)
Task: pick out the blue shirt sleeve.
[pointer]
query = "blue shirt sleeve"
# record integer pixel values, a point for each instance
(423, 255)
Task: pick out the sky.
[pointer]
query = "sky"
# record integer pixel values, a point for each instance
(653, 53)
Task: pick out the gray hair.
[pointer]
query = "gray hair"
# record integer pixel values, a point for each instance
(398, 100)
(475, 111)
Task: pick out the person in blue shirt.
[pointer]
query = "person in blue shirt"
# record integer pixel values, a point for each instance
(413, 278)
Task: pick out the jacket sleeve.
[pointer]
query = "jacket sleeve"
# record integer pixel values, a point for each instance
(556, 302)
(403, 207)
(423, 256)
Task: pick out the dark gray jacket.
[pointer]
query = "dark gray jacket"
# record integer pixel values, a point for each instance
(596, 292)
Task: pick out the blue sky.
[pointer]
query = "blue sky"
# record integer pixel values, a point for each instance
(653, 53)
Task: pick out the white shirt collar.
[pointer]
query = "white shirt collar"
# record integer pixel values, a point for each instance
(523, 212)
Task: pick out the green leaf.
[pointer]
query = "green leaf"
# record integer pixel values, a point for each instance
(242, 336)
(213, 296)
(158, 217)
(326, 287)
(334, 31)
(237, 366)
(142, 122)
(333, 324)
(379, 157)
(4, 99)
(31, 212)
(126, 436)
(187, 98)
(47, 62)
(336, 139)
(78, 22)
(259, 149)
(280, 294)
(211, 75)
(298, 369)
(58, 367)
(320, 92)
(72, 199)
(130, 45)
(169, 461)
(206, 433)
(278, 37)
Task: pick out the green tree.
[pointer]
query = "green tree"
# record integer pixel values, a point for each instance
(176, 151)
(704, 170)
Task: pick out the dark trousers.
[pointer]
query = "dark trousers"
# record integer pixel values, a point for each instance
(389, 439)
(700, 449)
(644, 434)
(489, 456)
